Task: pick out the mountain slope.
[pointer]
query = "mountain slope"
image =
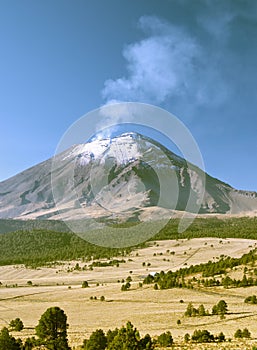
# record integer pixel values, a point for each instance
(120, 177)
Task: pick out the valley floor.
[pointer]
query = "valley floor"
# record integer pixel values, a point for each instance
(151, 311)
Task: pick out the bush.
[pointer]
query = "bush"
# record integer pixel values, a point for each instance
(16, 325)
(220, 309)
(129, 279)
(186, 337)
(238, 334)
(30, 343)
(246, 333)
(165, 339)
(96, 341)
(85, 284)
(146, 343)
(201, 311)
(192, 311)
(202, 336)
(111, 335)
(125, 287)
(221, 337)
(242, 333)
(251, 299)
(126, 338)
(7, 342)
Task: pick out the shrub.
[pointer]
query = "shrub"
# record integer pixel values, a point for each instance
(220, 309)
(165, 339)
(202, 336)
(242, 333)
(16, 325)
(85, 284)
(126, 338)
(201, 311)
(221, 337)
(186, 337)
(238, 334)
(146, 342)
(111, 335)
(96, 341)
(129, 279)
(246, 333)
(251, 299)
(192, 311)
(8, 342)
(125, 287)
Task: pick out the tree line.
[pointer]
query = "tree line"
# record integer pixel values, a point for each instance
(178, 279)
(40, 247)
(221, 308)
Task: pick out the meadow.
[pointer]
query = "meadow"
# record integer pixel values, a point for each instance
(27, 292)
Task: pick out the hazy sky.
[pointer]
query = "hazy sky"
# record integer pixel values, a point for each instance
(60, 59)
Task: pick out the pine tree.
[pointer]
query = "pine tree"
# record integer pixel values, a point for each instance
(97, 341)
(7, 342)
(189, 310)
(201, 310)
(127, 338)
(246, 333)
(16, 325)
(52, 329)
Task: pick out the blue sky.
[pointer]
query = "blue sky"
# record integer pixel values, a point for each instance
(196, 58)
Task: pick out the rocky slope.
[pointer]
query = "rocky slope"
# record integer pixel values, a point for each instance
(126, 176)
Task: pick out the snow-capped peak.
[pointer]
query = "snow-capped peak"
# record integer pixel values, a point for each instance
(123, 147)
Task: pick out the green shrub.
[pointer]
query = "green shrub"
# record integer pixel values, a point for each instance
(165, 339)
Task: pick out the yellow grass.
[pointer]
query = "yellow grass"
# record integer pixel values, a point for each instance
(150, 311)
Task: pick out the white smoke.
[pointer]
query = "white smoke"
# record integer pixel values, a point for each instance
(168, 64)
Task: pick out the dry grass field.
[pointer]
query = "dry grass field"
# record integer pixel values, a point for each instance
(151, 311)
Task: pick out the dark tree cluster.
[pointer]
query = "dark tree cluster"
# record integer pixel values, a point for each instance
(242, 333)
(51, 332)
(127, 337)
(204, 336)
(211, 227)
(16, 325)
(191, 311)
(40, 247)
(221, 308)
(179, 278)
(113, 262)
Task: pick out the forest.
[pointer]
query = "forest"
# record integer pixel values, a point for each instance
(36, 243)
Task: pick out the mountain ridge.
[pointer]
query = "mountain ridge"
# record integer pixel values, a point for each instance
(117, 177)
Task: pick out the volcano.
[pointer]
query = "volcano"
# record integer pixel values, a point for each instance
(125, 176)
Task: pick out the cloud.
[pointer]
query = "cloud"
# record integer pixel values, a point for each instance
(167, 65)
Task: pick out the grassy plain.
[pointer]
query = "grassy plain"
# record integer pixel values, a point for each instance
(151, 311)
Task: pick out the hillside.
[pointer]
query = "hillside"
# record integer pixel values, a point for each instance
(39, 247)
(117, 179)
